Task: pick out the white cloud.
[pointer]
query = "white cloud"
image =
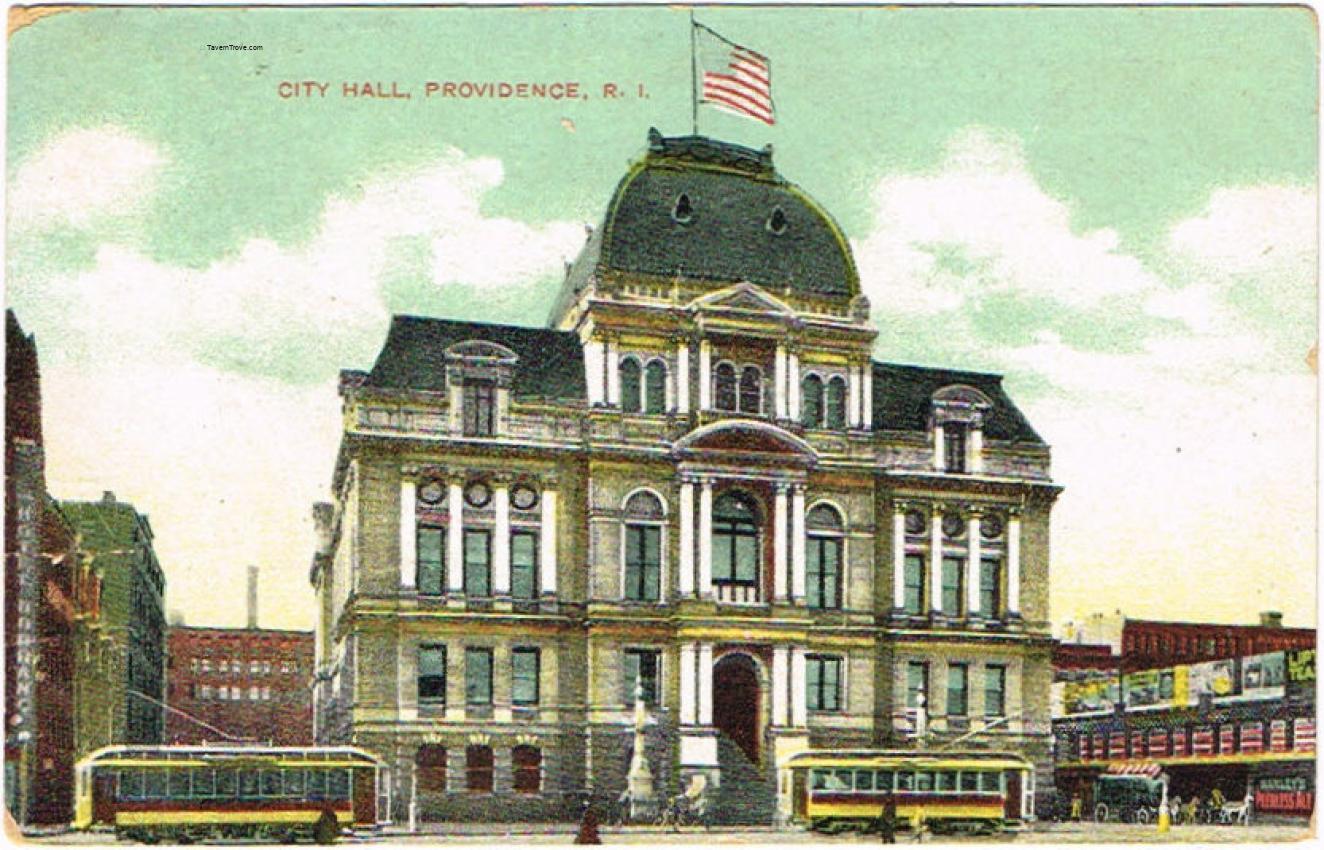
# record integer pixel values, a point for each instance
(83, 175)
(978, 224)
(1268, 229)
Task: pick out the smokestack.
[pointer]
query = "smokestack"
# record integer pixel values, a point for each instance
(252, 597)
(1271, 619)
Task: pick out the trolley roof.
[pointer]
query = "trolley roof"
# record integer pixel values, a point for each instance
(910, 759)
(130, 755)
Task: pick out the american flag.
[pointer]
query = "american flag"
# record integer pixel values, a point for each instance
(734, 78)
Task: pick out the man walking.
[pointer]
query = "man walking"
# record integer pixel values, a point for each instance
(887, 821)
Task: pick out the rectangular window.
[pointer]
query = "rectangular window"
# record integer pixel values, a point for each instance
(432, 673)
(479, 408)
(952, 585)
(914, 579)
(917, 683)
(823, 681)
(641, 666)
(954, 451)
(477, 562)
(524, 565)
(525, 664)
(431, 578)
(643, 562)
(478, 676)
(990, 586)
(995, 690)
(526, 764)
(823, 572)
(958, 702)
(478, 769)
(204, 783)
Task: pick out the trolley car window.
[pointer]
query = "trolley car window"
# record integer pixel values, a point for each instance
(819, 780)
(969, 781)
(131, 785)
(180, 787)
(946, 780)
(227, 783)
(338, 784)
(990, 783)
(155, 785)
(316, 784)
(204, 783)
(293, 783)
(864, 780)
(905, 780)
(882, 780)
(248, 784)
(924, 781)
(271, 783)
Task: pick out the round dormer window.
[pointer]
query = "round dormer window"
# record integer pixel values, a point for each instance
(683, 211)
(777, 222)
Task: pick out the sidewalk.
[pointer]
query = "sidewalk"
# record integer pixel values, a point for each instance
(560, 828)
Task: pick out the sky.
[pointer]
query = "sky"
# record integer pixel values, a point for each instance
(1113, 207)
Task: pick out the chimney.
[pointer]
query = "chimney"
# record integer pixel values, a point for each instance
(1271, 619)
(107, 497)
(252, 597)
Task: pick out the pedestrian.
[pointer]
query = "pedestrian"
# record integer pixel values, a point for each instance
(1077, 805)
(887, 821)
(588, 827)
(1216, 799)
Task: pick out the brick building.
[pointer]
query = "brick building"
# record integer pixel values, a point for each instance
(695, 481)
(1213, 704)
(245, 683)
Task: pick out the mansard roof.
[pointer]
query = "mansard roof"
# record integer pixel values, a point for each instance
(744, 222)
(903, 400)
(551, 362)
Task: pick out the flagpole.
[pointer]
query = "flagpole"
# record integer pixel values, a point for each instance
(694, 74)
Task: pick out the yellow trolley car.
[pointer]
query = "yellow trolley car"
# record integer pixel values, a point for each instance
(193, 793)
(945, 791)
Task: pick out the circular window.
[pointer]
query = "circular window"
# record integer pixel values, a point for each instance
(991, 528)
(777, 221)
(477, 494)
(915, 523)
(953, 525)
(683, 211)
(523, 497)
(432, 492)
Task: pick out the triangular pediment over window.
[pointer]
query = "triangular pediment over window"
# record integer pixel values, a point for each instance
(744, 298)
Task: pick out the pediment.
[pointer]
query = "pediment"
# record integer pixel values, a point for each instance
(744, 298)
(746, 438)
(480, 349)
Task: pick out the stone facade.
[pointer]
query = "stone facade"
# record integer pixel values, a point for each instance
(703, 483)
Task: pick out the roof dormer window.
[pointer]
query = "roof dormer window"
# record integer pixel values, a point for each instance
(682, 212)
(777, 222)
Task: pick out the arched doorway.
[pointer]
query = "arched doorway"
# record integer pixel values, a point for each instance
(736, 702)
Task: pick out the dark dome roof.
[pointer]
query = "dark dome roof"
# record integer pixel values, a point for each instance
(739, 221)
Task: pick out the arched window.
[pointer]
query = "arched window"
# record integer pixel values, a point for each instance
(724, 389)
(655, 387)
(526, 761)
(430, 762)
(631, 391)
(811, 401)
(751, 390)
(823, 557)
(735, 540)
(644, 517)
(836, 403)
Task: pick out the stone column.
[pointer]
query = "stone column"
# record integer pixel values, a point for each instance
(706, 538)
(455, 535)
(705, 375)
(689, 685)
(935, 561)
(685, 576)
(973, 565)
(501, 538)
(547, 541)
(799, 683)
(899, 556)
(854, 379)
(939, 447)
(976, 450)
(408, 534)
(683, 377)
(594, 368)
(798, 543)
(614, 372)
(868, 394)
(705, 684)
(781, 675)
(793, 383)
(781, 391)
(1014, 563)
(780, 540)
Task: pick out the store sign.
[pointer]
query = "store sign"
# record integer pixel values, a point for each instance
(1285, 795)
(1264, 676)
(1301, 665)
(1096, 692)
(1214, 678)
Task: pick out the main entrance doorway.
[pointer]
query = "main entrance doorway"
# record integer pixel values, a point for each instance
(736, 702)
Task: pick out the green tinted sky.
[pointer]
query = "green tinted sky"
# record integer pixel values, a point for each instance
(1123, 123)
